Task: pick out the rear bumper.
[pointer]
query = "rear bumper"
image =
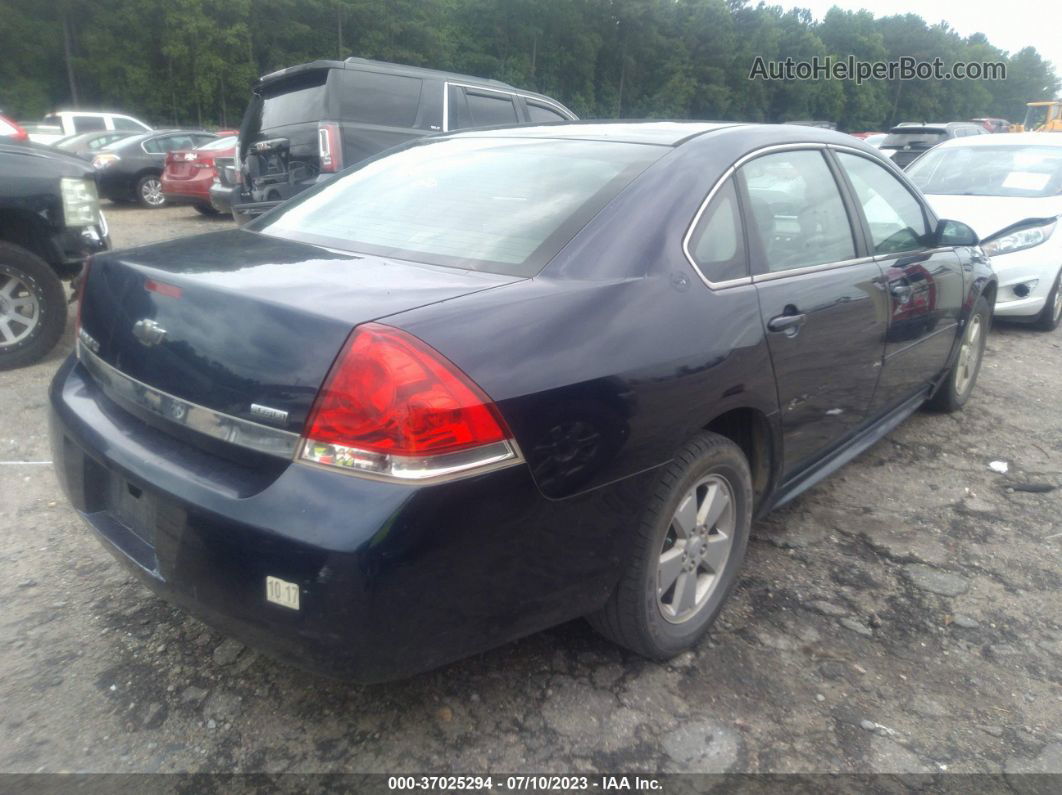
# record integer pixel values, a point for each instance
(188, 191)
(393, 579)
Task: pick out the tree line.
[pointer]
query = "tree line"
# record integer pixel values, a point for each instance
(181, 62)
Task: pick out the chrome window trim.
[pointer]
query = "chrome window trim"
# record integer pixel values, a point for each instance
(826, 266)
(244, 433)
(723, 285)
(509, 92)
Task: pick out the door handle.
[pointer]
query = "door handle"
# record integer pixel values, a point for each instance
(787, 324)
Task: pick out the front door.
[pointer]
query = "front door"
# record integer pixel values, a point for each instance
(925, 285)
(824, 308)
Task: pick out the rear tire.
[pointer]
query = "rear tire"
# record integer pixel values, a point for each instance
(206, 209)
(650, 611)
(32, 307)
(1051, 314)
(953, 393)
(149, 192)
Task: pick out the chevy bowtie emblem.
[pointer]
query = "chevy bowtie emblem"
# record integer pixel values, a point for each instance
(148, 332)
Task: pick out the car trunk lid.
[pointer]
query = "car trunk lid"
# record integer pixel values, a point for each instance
(237, 319)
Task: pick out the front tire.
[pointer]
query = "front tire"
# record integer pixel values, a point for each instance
(686, 552)
(206, 209)
(149, 191)
(959, 382)
(1051, 314)
(32, 307)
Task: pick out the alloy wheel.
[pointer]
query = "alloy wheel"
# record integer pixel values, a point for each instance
(1056, 313)
(20, 309)
(969, 355)
(151, 192)
(695, 549)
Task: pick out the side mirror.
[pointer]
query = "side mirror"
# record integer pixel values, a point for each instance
(955, 233)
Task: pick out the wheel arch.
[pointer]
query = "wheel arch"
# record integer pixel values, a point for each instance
(751, 430)
(28, 230)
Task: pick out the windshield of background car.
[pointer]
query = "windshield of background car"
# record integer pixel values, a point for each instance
(294, 100)
(1023, 171)
(501, 205)
(916, 140)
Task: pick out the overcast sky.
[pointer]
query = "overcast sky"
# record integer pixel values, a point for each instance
(1008, 24)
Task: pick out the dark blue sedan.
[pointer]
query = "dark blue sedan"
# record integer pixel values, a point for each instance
(494, 381)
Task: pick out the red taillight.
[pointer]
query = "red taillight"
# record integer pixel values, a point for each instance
(329, 146)
(393, 406)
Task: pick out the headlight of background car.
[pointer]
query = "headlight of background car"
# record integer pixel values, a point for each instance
(1022, 238)
(104, 160)
(81, 205)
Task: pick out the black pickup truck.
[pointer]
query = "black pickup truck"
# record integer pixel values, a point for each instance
(50, 224)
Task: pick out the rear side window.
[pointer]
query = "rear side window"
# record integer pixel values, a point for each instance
(493, 204)
(374, 98)
(298, 99)
(796, 210)
(487, 109)
(895, 217)
(540, 113)
(89, 123)
(718, 242)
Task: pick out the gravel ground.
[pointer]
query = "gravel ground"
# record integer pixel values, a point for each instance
(903, 616)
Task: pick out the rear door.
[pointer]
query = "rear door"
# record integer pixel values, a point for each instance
(821, 298)
(925, 285)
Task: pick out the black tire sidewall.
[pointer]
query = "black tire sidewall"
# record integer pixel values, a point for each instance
(51, 300)
(665, 639)
(1046, 320)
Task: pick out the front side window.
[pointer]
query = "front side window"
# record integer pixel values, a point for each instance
(493, 204)
(541, 114)
(796, 211)
(125, 123)
(718, 243)
(895, 217)
(488, 109)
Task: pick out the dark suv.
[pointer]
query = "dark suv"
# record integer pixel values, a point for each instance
(308, 121)
(907, 141)
(50, 223)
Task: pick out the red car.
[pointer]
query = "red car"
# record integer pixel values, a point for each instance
(189, 173)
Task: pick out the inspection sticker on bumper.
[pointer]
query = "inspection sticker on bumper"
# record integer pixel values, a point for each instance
(282, 592)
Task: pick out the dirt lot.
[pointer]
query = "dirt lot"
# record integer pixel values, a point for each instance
(903, 616)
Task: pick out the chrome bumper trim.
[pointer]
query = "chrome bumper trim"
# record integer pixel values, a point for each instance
(123, 389)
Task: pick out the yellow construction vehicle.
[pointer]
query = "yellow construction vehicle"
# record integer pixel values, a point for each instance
(1045, 116)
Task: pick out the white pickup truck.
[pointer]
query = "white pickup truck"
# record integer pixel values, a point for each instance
(71, 122)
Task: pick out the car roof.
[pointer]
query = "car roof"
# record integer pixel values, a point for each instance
(380, 66)
(661, 133)
(1007, 139)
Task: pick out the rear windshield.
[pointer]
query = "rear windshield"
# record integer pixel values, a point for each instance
(298, 99)
(1020, 171)
(494, 204)
(922, 139)
(228, 142)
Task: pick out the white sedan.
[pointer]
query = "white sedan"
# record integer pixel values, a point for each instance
(1009, 189)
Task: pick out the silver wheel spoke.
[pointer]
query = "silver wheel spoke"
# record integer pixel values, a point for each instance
(6, 334)
(670, 568)
(8, 289)
(685, 596)
(715, 502)
(685, 520)
(717, 553)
